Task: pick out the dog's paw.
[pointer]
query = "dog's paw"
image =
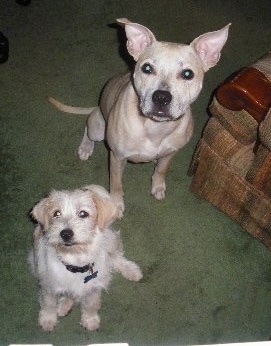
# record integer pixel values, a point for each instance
(90, 322)
(159, 192)
(130, 270)
(85, 150)
(120, 206)
(134, 272)
(47, 320)
(64, 306)
(120, 212)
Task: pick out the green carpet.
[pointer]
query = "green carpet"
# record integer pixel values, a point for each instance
(206, 280)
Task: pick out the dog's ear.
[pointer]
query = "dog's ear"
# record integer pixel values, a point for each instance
(138, 37)
(40, 211)
(208, 46)
(106, 208)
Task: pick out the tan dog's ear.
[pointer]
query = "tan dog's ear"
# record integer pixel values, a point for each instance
(138, 37)
(106, 208)
(40, 212)
(208, 46)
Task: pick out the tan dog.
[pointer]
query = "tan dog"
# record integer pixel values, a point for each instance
(75, 253)
(146, 116)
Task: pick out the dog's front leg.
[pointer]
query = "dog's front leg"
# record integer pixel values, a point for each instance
(116, 170)
(158, 179)
(90, 306)
(48, 311)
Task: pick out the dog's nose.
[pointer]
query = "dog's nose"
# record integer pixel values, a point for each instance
(66, 234)
(161, 97)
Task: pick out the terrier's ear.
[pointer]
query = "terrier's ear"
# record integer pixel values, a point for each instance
(138, 37)
(208, 46)
(40, 212)
(106, 208)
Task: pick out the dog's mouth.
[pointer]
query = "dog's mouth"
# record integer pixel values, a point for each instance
(160, 116)
(66, 246)
(70, 247)
(69, 244)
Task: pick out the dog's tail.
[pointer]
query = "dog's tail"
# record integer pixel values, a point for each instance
(70, 109)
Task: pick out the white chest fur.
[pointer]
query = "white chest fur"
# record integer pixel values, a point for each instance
(59, 280)
(148, 140)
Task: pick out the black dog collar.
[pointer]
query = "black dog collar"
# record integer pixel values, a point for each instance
(87, 267)
(75, 269)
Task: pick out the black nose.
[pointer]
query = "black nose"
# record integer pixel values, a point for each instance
(66, 234)
(161, 97)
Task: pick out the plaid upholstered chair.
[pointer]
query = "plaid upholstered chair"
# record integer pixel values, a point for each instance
(232, 162)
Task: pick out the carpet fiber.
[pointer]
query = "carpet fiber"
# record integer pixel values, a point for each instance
(205, 279)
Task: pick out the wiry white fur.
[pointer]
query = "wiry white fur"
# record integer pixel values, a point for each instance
(92, 242)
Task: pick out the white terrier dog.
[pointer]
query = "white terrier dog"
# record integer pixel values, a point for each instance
(75, 253)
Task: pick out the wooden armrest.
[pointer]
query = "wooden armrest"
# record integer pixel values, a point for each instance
(249, 90)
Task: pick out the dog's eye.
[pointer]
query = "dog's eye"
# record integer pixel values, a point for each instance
(57, 213)
(187, 74)
(147, 68)
(83, 214)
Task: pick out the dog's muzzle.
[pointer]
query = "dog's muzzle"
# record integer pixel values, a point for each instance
(160, 111)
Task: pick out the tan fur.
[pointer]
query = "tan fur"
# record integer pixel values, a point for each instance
(146, 116)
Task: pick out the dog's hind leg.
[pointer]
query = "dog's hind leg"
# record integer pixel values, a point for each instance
(128, 269)
(86, 147)
(94, 131)
(90, 306)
